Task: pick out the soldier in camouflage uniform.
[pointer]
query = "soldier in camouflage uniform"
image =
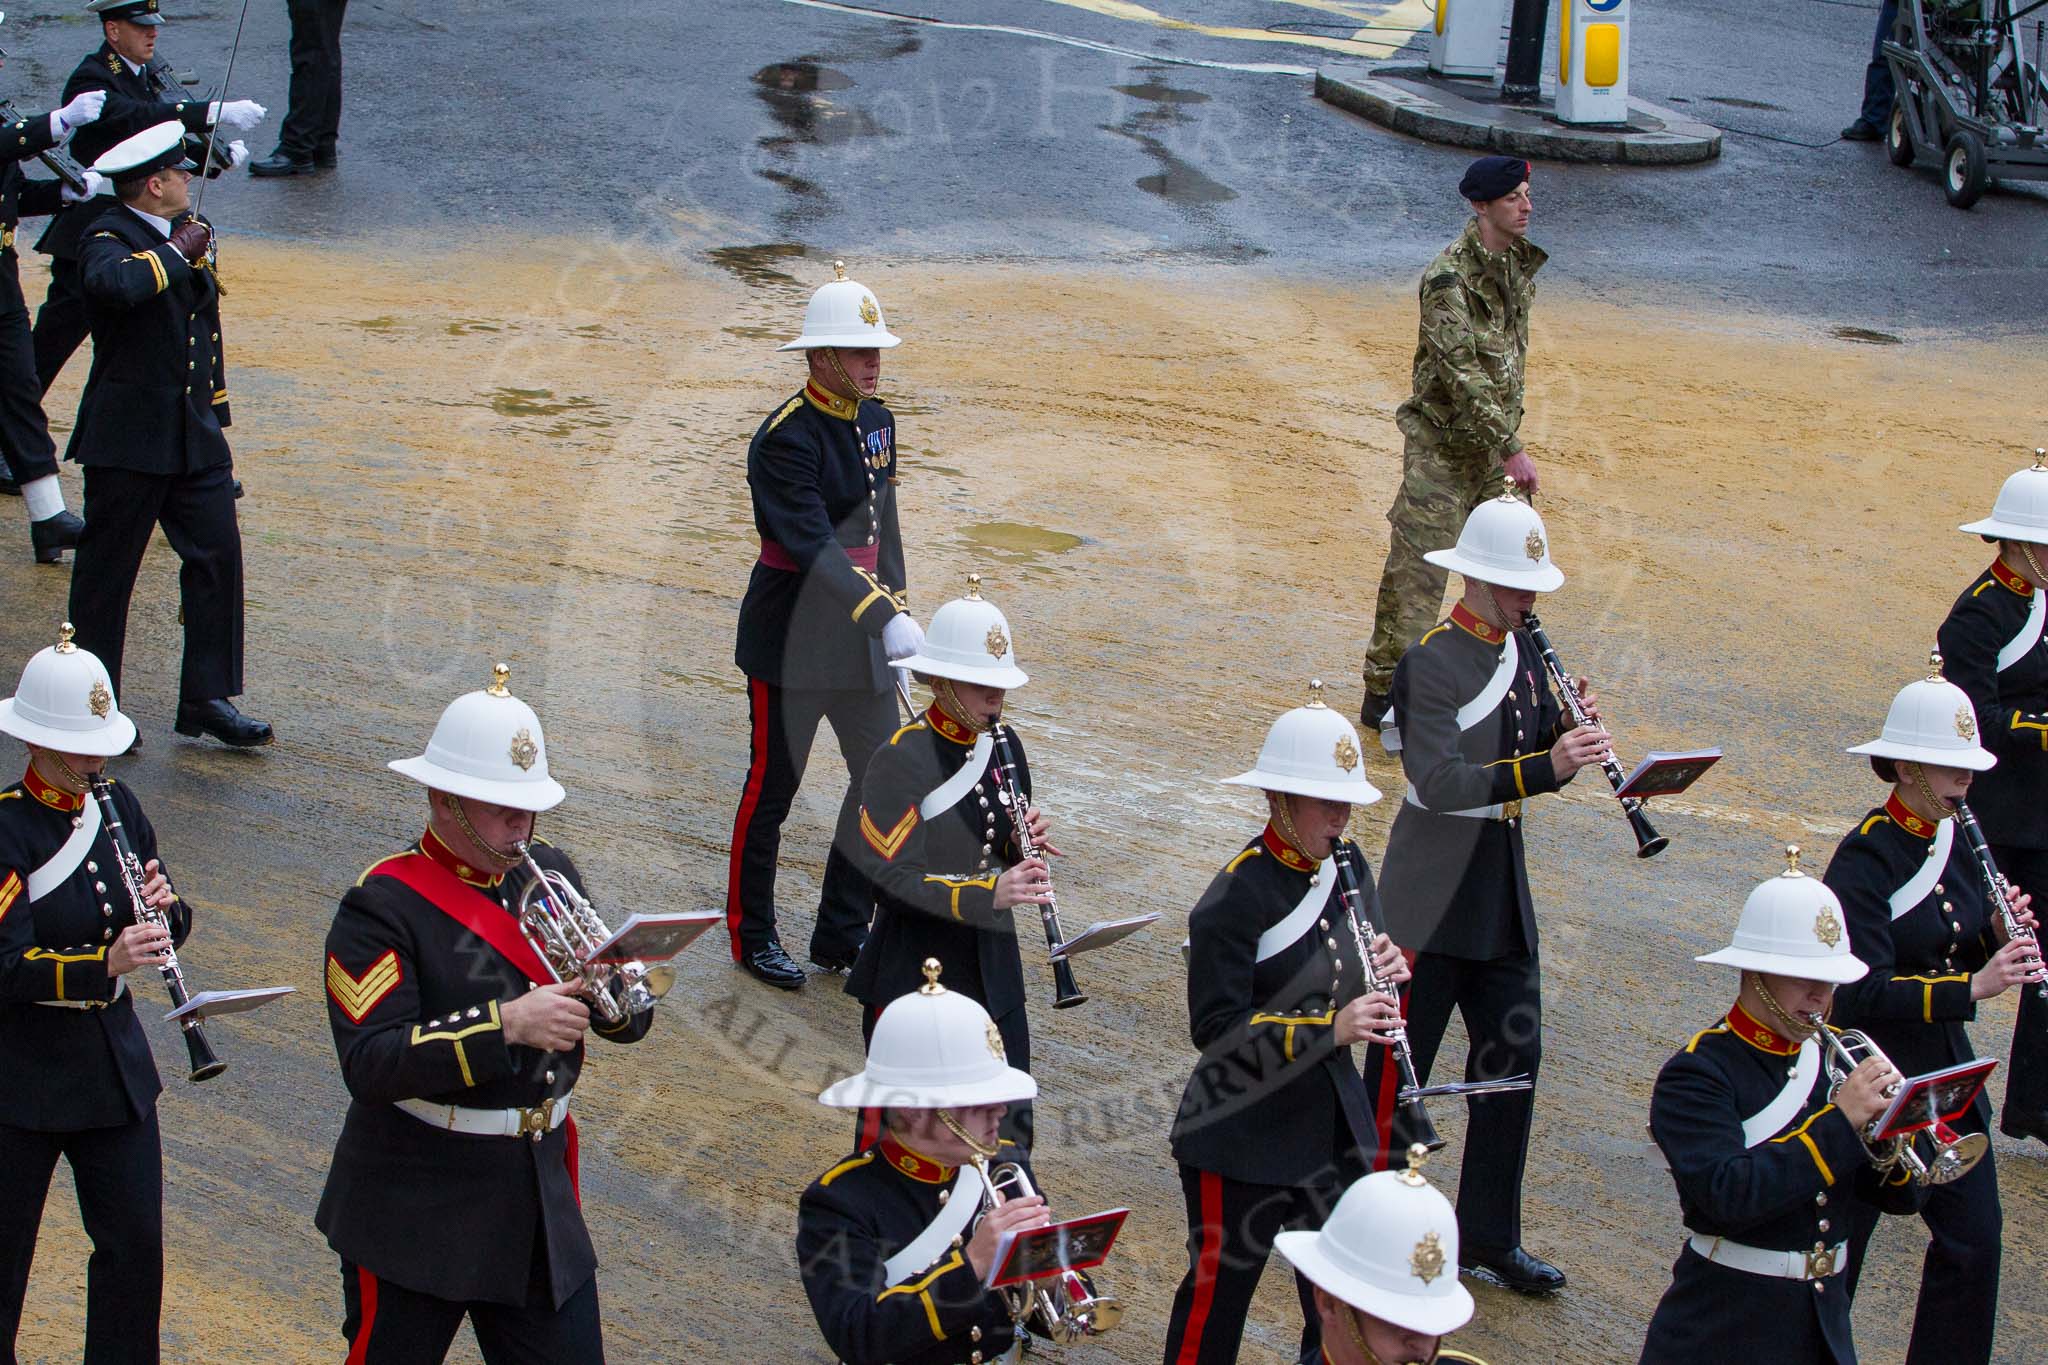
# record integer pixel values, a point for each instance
(1461, 421)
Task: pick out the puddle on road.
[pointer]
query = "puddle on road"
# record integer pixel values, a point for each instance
(1177, 182)
(791, 90)
(470, 326)
(1017, 541)
(1733, 103)
(753, 264)
(1866, 336)
(383, 324)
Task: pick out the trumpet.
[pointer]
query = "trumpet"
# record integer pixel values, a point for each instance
(1649, 843)
(1065, 993)
(566, 931)
(1067, 1309)
(205, 1065)
(1409, 1099)
(1995, 884)
(1954, 1153)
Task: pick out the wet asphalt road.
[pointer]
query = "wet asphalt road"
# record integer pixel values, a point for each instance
(857, 133)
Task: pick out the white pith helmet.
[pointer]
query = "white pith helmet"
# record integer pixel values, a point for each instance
(2021, 511)
(488, 746)
(1792, 926)
(1389, 1248)
(1503, 543)
(843, 313)
(1931, 721)
(65, 701)
(932, 1049)
(969, 641)
(1311, 751)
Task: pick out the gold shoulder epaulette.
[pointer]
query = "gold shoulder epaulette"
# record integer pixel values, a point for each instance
(1878, 819)
(850, 1164)
(787, 408)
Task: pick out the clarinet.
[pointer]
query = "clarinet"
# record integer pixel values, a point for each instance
(1649, 843)
(1065, 994)
(61, 163)
(1408, 1100)
(205, 1065)
(1995, 884)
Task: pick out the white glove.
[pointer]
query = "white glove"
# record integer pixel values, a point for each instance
(238, 154)
(95, 183)
(77, 114)
(240, 115)
(902, 637)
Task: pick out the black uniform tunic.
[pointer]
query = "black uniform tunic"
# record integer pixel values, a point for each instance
(24, 428)
(1792, 1191)
(413, 999)
(856, 1216)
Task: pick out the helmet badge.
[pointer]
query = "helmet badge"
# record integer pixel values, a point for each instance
(1827, 928)
(1427, 1261)
(100, 699)
(869, 314)
(995, 1043)
(1533, 546)
(998, 643)
(1346, 753)
(524, 751)
(1966, 724)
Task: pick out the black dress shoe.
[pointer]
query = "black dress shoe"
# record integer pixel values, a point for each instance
(1373, 709)
(841, 961)
(2017, 1128)
(52, 536)
(9, 488)
(1859, 131)
(220, 719)
(324, 157)
(282, 162)
(1512, 1269)
(770, 964)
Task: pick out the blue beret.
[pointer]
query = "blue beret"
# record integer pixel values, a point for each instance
(1490, 177)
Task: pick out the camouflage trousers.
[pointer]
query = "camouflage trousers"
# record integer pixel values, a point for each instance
(1439, 488)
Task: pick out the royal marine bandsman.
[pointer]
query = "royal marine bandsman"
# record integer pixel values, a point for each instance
(151, 432)
(1919, 915)
(1274, 1122)
(896, 1243)
(140, 93)
(1385, 1271)
(1996, 650)
(1461, 425)
(25, 445)
(939, 839)
(454, 1190)
(1768, 1156)
(1479, 733)
(81, 1084)
(823, 616)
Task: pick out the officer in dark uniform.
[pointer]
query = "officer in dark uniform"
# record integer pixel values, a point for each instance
(823, 616)
(454, 1185)
(141, 93)
(939, 841)
(893, 1243)
(1479, 733)
(80, 1080)
(1996, 649)
(1274, 1122)
(1920, 917)
(25, 444)
(1770, 1163)
(149, 432)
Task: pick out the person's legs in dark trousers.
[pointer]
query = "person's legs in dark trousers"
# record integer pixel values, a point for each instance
(24, 429)
(120, 516)
(26, 1160)
(1502, 1002)
(1231, 1226)
(2025, 1112)
(119, 1176)
(198, 517)
(60, 323)
(1426, 1005)
(1958, 1310)
(540, 1335)
(862, 722)
(784, 722)
(1015, 1029)
(388, 1324)
(1877, 77)
(313, 113)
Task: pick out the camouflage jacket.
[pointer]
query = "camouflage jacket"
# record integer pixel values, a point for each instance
(1473, 342)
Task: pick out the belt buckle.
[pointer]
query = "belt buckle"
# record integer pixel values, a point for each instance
(533, 1122)
(1820, 1262)
(1511, 810)
(6, 239)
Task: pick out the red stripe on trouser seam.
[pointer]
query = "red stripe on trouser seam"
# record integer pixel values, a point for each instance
(366, 1287)
(1390, 1085)
(1209, 1219)
(750, 797)
(870, 1131)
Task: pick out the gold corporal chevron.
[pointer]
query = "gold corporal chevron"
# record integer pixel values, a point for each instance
(357, 996)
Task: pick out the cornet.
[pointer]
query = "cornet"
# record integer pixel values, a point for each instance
(1954, 1153)
(562, 927)
(1067, 1309)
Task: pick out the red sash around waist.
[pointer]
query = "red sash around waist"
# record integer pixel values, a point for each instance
(775, 557)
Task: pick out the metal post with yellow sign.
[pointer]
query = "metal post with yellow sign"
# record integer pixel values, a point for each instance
(1592, 62)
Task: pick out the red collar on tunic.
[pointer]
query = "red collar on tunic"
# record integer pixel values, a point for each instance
(431, 845)
(1758, 1035)
(56, 798)
(845, 409)
(1472, 625)
(945, 725)
(1287, 853)
(916, 1165)
(2005, 574)
(1902, 815)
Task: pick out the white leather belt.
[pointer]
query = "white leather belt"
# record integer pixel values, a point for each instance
(1499, 810)
(536, 1122)
(120, 989)
(1817, 1264)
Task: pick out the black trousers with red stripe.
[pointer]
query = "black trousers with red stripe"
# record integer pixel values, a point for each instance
(1231, 1226)
(1502, 1003)
(119, 1176)
(785, 721)
(388, 1324)
(2025, 1112)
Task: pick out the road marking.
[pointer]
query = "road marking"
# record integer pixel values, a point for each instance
(1409, 15)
